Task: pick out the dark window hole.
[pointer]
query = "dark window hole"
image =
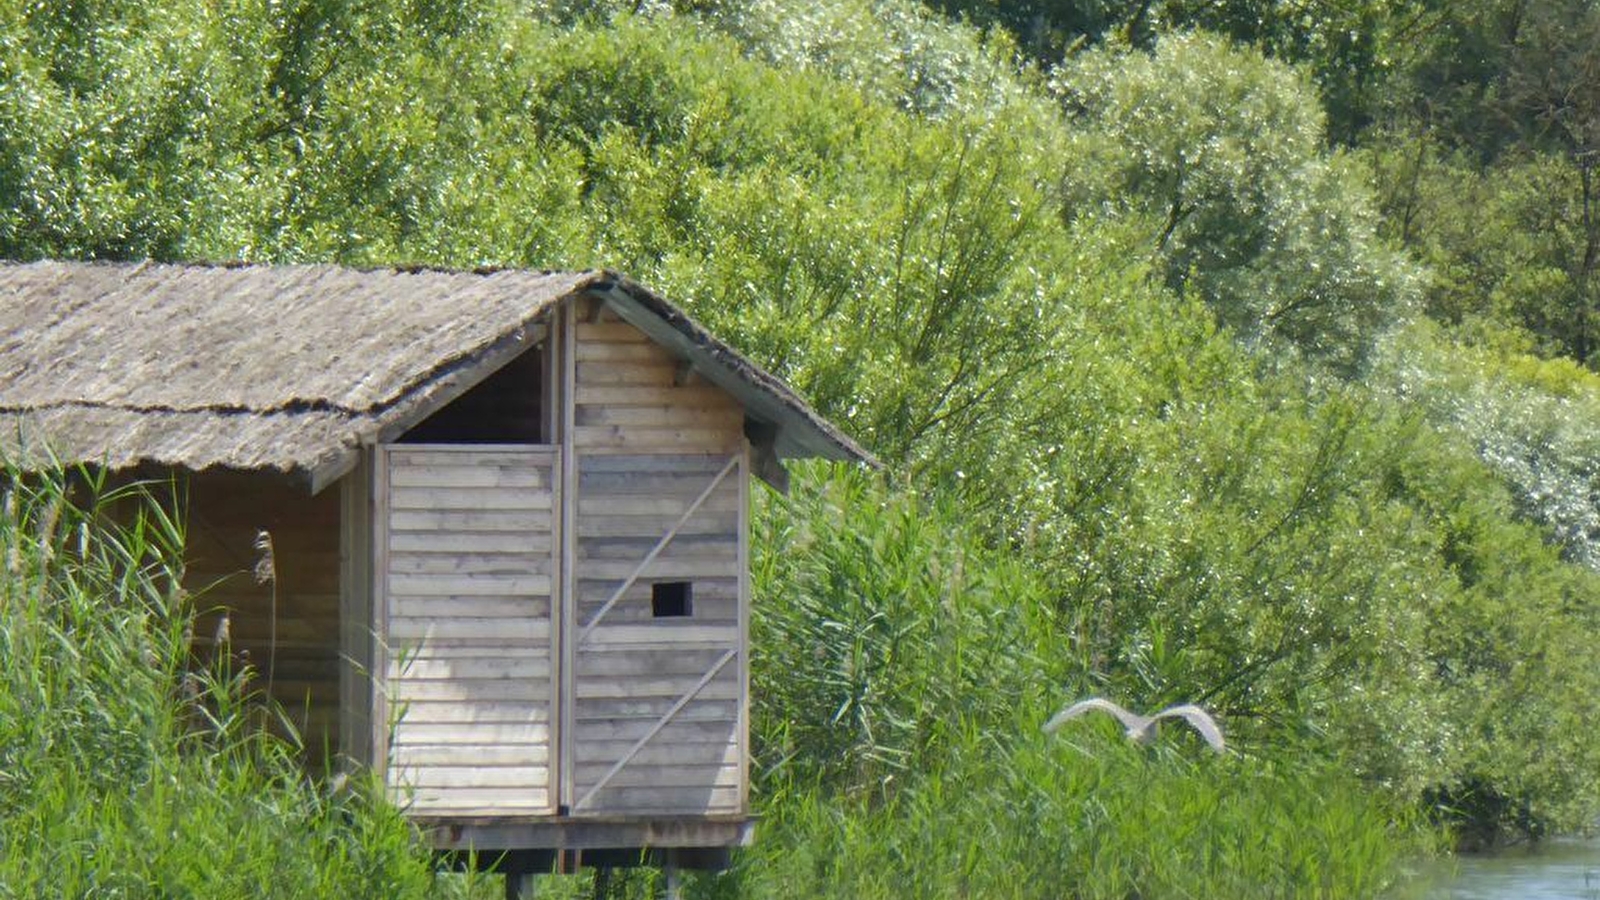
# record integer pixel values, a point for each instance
(671, 599)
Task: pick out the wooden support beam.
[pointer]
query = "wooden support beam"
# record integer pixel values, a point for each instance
(764, 461)
(684, 375)
(673, 888)
(355, 616)
(567, 599)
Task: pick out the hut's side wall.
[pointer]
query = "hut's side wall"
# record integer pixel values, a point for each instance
(466, 586)
(286, 626)
(659, 717)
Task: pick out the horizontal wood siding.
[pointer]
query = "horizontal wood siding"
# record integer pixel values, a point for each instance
(635, 670)
(650, 437)
(633, 397)
(468, 571)
(299, 653)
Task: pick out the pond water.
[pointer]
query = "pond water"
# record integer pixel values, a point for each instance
(1557, 870)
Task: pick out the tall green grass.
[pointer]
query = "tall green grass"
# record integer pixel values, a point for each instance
(128, 769)
(1095, 818)
(903, 669)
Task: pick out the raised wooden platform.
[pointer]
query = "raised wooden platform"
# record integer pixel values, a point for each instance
(588, 833)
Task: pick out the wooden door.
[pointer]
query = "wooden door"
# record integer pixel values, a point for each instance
(656, 712)
(466, 572)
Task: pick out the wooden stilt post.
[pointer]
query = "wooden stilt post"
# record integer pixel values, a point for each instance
(669, 872)
(519, 886)
(672, 889)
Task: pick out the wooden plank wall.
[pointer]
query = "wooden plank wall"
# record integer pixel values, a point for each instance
(226, 512)
(649, 443)
(629, 399)
(468, 564)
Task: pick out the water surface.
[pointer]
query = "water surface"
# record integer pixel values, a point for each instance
(1552, 870)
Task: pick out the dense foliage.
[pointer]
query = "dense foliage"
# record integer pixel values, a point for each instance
(1248, 365)
(124, 770)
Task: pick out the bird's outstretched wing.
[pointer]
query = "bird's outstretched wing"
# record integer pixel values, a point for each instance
(1199, 718)
(1131, 721)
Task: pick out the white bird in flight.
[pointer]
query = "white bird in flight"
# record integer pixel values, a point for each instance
(1142, 728)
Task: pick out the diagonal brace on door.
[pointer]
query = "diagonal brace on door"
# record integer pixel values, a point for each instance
(722, 662)
(583, 634)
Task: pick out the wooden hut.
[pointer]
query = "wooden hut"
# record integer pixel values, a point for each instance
(506, 512)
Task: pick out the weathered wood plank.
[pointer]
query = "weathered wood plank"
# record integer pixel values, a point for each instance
(705, 464)
(659, 568)
(610, 332)
(665, 800)
(709, 589)
(565, 613)
(640, 438)
(685, 631)
(471, 691)
(468, 776)
(476, 607)
(704, 523)
(668, 508)
(521, 522)
(677, 774)
(472, 803)
(697, 395)
(620, 352)
(497, 647)
(436, 668)
(685, 485)
(454, 755)
(592, 687)
(472, 455)
(639, 611)
(648, 663)
(468, 716)
(476, 721)
(742, 605)
(471, 564)
(413, 629)
(355, 668)
(719, 419)
(435, 543)
(617, 719)
(718, 750)
(430, 498)
(472, 476)
(694, 546)
(646, 374)
(404, 585)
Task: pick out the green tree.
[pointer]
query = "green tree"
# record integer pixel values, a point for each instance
(1221, 151)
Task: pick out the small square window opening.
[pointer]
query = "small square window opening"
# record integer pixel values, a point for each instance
(671, 599)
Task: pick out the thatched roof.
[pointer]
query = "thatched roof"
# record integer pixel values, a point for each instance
(292, 368)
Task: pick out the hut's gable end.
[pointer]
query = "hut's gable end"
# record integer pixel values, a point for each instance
(633, 396)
